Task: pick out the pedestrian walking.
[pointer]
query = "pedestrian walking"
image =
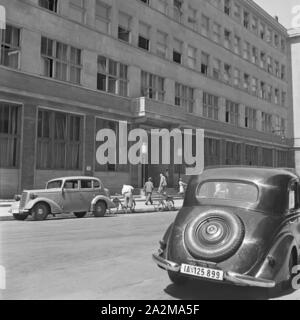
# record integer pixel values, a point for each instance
(162, 184)
(148, 188)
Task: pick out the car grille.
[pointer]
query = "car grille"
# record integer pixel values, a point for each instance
(23, 200)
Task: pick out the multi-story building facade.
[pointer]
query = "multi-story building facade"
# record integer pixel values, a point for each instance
(69, 68)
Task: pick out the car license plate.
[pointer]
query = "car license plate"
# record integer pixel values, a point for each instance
(15, 211)
(202, 272)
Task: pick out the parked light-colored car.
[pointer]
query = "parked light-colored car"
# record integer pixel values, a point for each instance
(64, 195)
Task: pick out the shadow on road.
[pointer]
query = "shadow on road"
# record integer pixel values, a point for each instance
(203, 290)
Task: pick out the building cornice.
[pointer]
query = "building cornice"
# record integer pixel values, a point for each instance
(259, 10)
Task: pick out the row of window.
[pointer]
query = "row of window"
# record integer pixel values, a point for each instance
(235, 153)
(231, 8)
(233, 116)
(208, 29)
(60, 142)
(63, 62)
(251, 22)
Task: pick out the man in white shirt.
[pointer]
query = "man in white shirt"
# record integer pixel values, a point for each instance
(127, 193)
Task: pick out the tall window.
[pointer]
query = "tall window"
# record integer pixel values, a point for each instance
(10, 47)
(59, 141)
(237, 45)
(210, 106)
(192, 18)
(283, 72)
(254, 57)
(184, 97)
(263, 60)
(10, 131)
(277, 69)
(236, 77)
(204, 63)
(177, 51)
(254, 25)
(267, 157)
(283, 98)
(233, 153)
(269, 35)
(49, 4)
(144, 36)
(246, 82)
(124, 27)
(77, 10)
(266, 122)
(102, 12)
(216, 32)
(262, 90)
(251, 155)
(112, 76)
(246, 19)
(227, 7)
(161, 44)
(250, 118)
(262, 31)
(227, 72)
(61, 61)
(269, 93)
(227, 39)
(192, 57)
(177, 12)
(237, 11)
(152, 86)
(232, 113)
(204, 25)
(254, 86)
(246, 50)
(216, 69)
(270, 64)
(277, 96)
(212, 152)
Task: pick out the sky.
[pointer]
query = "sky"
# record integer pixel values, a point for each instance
(281, 8)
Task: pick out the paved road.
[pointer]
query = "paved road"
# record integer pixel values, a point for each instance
(106, 258)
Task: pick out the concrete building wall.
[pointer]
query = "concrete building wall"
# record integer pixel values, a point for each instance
(28, 86)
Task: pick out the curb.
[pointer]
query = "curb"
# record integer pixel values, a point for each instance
(69, 216)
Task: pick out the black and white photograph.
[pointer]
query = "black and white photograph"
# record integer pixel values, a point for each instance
(149, 151)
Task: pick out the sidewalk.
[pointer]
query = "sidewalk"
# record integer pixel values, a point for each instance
(140, 208)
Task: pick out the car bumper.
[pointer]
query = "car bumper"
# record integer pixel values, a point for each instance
(229, 277)
(18, 211)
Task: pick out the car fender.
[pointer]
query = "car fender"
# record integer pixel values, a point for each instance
(276, 264)
(55, 208)
(108, 202)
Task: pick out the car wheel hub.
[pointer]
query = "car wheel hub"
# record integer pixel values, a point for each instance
(211, 233)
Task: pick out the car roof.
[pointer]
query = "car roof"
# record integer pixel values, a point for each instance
(248, 173)
(75, 178)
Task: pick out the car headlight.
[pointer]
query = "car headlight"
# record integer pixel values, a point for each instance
(33, 196)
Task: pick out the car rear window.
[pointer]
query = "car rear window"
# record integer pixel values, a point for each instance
(228, 190)
(54, 184)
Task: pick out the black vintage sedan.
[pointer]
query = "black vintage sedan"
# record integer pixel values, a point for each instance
(238, 225)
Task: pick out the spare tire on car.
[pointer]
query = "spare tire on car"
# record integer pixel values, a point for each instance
(214, 236)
